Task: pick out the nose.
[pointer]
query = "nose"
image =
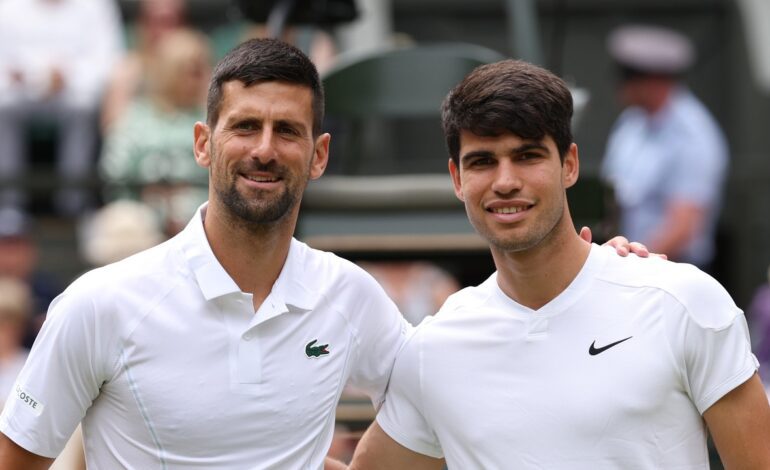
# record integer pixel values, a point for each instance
(264, 146)
(506, 179)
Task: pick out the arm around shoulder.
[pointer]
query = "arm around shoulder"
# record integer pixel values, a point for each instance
(15, 457)
(378, 451)
(739, 423)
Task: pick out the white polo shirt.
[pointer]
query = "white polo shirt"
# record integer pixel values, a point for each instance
(614, 373)
(169, 367)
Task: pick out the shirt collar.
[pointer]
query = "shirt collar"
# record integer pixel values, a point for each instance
(213, 281)
(294, 285)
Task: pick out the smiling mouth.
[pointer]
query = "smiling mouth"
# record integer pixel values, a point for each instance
(508, 210)
(262, 179)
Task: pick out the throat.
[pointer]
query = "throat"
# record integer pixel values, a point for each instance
(535, 278)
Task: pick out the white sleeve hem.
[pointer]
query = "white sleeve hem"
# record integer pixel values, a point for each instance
(728, 385)
(411, 444)
(22, 440)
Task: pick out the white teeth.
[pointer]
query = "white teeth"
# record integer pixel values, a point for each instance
(262, 179)
(507, 210)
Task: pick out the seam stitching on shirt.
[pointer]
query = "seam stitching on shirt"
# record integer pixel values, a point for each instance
(132, 386)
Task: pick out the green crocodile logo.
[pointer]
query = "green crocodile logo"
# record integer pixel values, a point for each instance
(316, 351)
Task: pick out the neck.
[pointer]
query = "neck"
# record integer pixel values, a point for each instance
(658, 97)
(252, 256)
(535, 276)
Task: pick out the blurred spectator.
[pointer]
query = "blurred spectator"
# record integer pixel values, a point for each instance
(666, 156)
(147, 154)
(118, 230)
(128, 79)
(318, 44)
(310, 36)
(55, 56)
(418, 288)
(15, 308)
(19, 259)
(758, 316)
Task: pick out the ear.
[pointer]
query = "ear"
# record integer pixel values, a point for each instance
(571, 166)
(202, 135)
(454, 172)
(320, 156)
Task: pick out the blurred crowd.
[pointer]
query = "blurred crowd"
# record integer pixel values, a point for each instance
(120, 99)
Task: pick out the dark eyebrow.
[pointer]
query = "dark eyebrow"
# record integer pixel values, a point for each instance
(243, 120)
(476, 154)
(291, 123)
(524, 148)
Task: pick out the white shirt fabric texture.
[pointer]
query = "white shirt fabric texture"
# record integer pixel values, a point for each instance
(680, 153)
(83, 38)
(490, 384)
(168, 366)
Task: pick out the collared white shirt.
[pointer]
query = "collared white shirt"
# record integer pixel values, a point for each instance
(172, 368)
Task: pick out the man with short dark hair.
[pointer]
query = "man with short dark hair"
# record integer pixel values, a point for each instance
(229, 345)
(567, 356)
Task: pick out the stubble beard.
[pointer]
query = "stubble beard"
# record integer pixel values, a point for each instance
(263, 209)
(541, 231)
(259, 212)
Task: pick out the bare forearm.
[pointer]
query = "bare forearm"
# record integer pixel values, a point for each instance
(740, 425)
(331, 464)
(378, 451)
(683, 220)
(14, 457)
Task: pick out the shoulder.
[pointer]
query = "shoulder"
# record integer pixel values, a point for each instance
(324, 268)
(468, 297)
(340, 286)
(629, 117)
(463, 310)
(137, 278)
(703, 299)
(690, 117)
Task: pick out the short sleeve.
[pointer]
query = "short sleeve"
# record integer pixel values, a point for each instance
(403, 415)
(381, 333)
(59, 381)
(718, 360)
(716, 347)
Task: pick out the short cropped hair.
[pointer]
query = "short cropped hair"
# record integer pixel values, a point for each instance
(265, 60)
(509, 96)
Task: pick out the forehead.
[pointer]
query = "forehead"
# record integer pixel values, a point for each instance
(505, 141)
(267, 100)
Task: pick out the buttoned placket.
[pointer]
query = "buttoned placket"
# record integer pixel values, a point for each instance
(244, 324)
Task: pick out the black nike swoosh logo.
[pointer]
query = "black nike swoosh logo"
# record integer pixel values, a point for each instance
(594, 351)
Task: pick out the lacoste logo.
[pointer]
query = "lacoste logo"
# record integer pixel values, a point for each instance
(30, 401)
(316, 351)
(594, 351)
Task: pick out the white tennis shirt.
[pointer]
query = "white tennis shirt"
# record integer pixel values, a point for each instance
(614, 373)
(169, 367)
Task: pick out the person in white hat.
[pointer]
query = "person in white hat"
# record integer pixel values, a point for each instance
(666, 156)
